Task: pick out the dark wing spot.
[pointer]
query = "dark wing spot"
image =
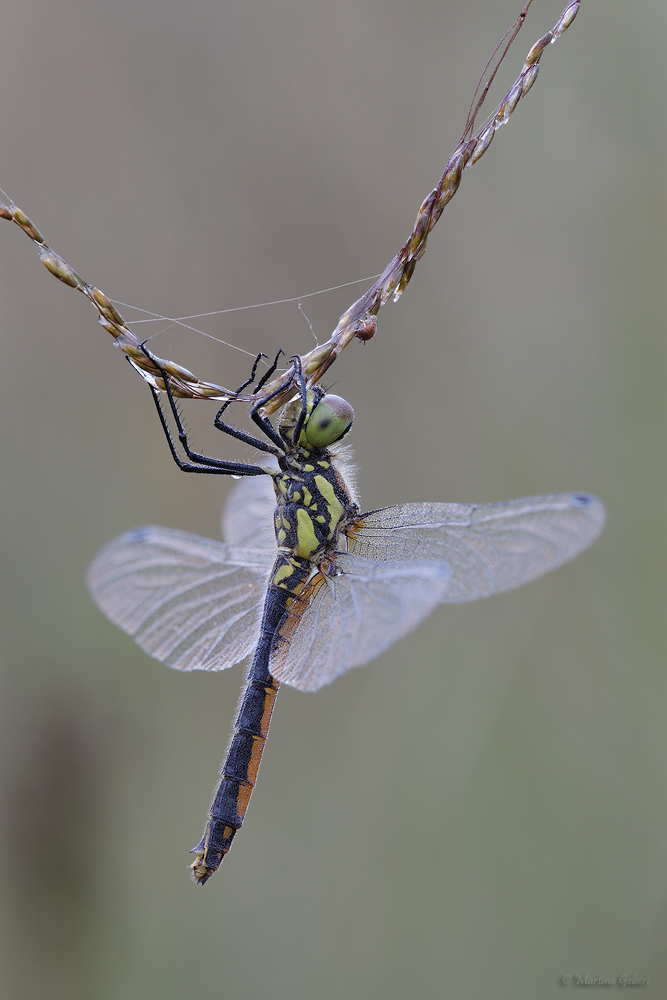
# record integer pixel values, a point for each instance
(138, 535)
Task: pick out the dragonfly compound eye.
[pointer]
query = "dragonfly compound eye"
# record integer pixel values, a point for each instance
(331, 418)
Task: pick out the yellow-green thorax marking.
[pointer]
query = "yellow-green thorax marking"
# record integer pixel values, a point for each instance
(313, 500)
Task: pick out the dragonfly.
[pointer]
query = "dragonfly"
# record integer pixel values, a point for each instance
(305, 583)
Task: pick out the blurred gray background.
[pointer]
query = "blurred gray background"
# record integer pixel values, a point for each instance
(484, 809)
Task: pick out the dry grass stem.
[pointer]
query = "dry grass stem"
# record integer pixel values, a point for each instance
(360, 320)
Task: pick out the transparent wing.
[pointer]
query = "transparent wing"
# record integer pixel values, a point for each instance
(192, 603)
(490, 547)
(404, 561)
(346, 620)
(247, 517)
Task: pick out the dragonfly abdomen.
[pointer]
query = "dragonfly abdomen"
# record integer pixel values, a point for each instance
(239, 770)
(238, 775)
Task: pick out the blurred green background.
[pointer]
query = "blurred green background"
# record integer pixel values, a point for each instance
(484, 809)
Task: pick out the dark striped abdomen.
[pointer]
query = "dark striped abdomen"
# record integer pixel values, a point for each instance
(240, 767)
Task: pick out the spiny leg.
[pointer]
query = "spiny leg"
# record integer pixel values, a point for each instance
(263, 423)
(301, 382)
(269, 372)
(248, 381)
(199, 463)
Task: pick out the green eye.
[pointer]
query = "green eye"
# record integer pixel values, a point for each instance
(330, 419)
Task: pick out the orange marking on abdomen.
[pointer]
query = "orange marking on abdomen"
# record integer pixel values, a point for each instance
(269, 701)
(243, 797)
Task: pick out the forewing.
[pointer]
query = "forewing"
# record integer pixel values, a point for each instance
(346, 620)
(192, 603)
(403, 561)
(488, 548)
(247, 517)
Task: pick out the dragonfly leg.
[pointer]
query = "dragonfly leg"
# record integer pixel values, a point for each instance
(206, 464)
(301, 383)
(264, 424)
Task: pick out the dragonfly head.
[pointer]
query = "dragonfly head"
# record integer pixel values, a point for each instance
(326, 420)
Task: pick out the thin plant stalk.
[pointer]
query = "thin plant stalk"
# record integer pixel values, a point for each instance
(360, 320)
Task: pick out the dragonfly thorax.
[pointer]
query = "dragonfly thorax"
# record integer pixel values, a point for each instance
(313, 504)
